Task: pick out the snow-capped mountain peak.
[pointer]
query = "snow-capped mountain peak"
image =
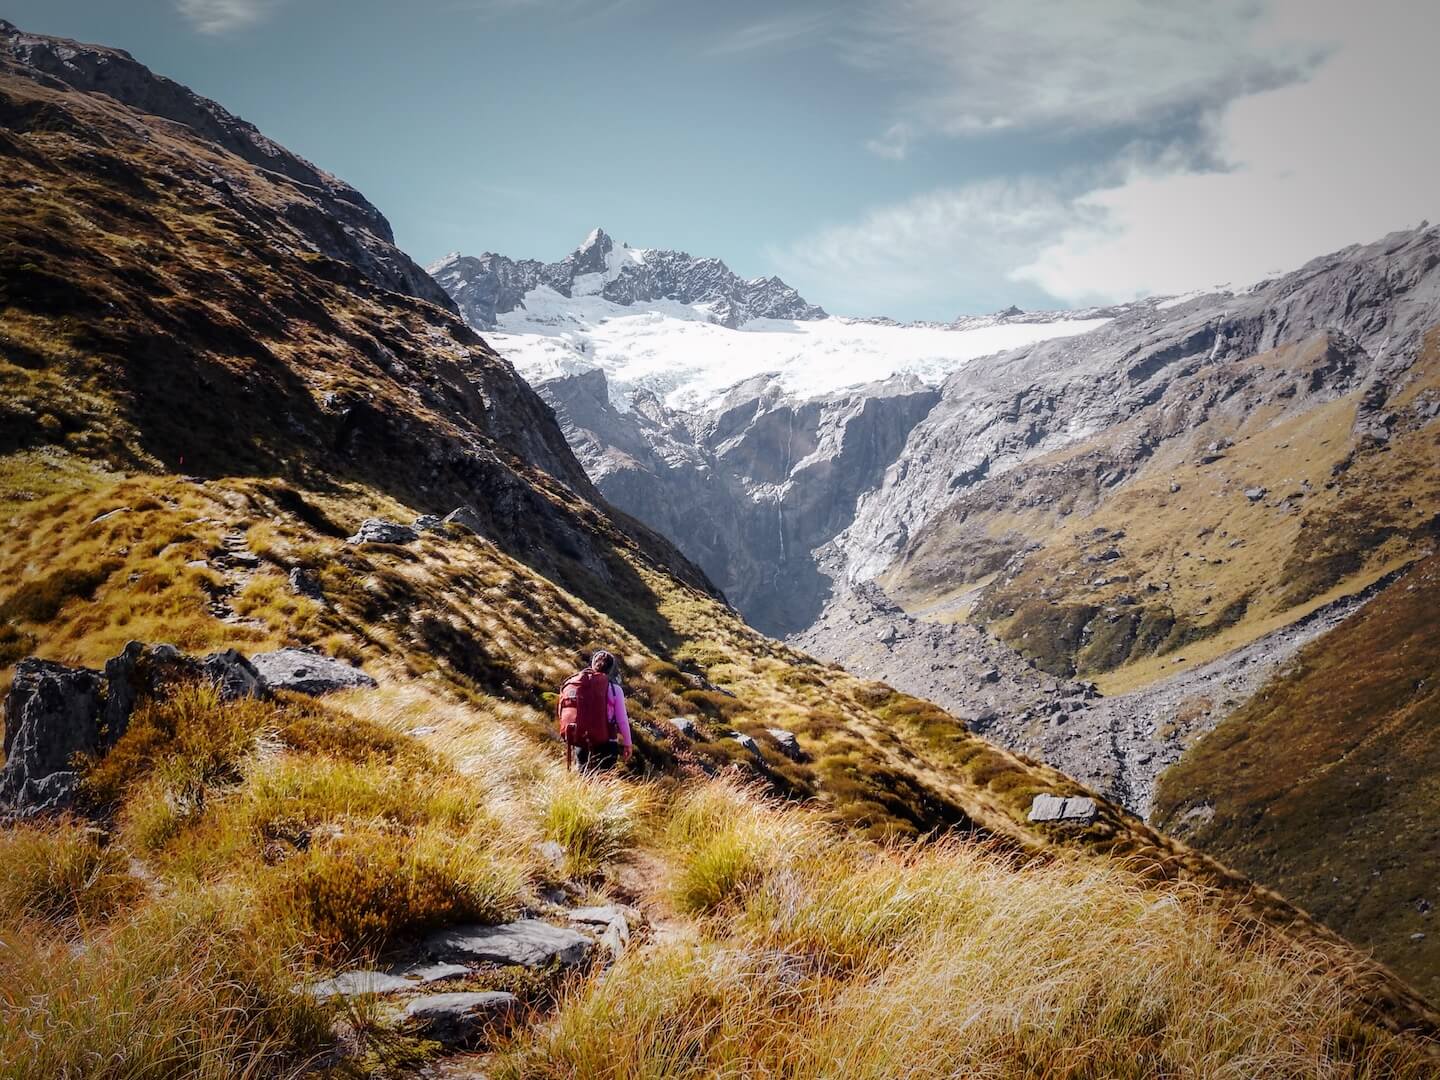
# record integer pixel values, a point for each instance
(688, 328)
(493, 285)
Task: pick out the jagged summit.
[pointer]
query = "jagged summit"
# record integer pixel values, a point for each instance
(493, 285)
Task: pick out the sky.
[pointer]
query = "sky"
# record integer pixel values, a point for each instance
(914, 158)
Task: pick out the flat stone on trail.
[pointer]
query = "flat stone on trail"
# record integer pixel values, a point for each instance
(527, 942)
(423, 973)
(356, 983)
(308, 673)
(455, 1019)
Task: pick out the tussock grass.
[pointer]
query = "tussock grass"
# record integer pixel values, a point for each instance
(842, 959)
(593, 818)
(357, 892)
(723, 840)
(190, 737)
(187, 988)
(63, 872)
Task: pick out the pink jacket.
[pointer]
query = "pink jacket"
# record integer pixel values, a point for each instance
(615, 713)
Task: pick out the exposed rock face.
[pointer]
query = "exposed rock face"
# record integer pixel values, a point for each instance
(55, 713)
(491, 284)
(1076, 808)
(51, 714)
(346, 226)
(751, 489)
(1373, 302)
(305, 672)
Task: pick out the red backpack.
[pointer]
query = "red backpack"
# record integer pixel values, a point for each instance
(582, 713)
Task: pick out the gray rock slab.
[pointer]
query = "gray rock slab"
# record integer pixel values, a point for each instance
(457, 1019)
(1046, 808)
(749, 744)
(424, 973)
(380, 531)
(686, 726)
(616, 938)
(466, 518)
(602, 915)
(527, 942)
(52, 713)
(358, 983)
(789, 745)
(308, 673)
(1078, 808)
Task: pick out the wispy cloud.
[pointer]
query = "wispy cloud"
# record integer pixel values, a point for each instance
(223, 16)
(964, 67)
(936, 248)
(1287, 173)
(779, 32)
(893, 144)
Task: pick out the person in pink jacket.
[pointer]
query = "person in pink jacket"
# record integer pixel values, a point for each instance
(621, 746)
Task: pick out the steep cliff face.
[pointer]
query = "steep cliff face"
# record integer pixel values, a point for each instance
(1134, 377)
(750, 489)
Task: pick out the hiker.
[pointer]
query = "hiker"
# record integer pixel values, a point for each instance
(590, 715)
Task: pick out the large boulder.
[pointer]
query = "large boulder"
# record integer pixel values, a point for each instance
(466, 518)
(788, 743)
(1077, 808)
(527, 943)
(52, 714)
(380, 531)
(304, 672)
(142, 670)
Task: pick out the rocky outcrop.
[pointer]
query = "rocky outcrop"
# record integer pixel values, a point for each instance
(52, 715)
(1079, 809)
(380, 531)
(490, 285)
(56, 716)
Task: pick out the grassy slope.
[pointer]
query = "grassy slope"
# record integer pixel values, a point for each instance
(147, 330)
(1325, 785)
(1205, 568)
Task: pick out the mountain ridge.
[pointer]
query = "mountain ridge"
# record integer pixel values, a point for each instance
(490, 285)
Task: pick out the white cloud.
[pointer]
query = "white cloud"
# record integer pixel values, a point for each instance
(773, 33)
(1340, 159)
(970, 66)
(1290, 173)
(894, 144)
(938, 247)
(223, 16)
